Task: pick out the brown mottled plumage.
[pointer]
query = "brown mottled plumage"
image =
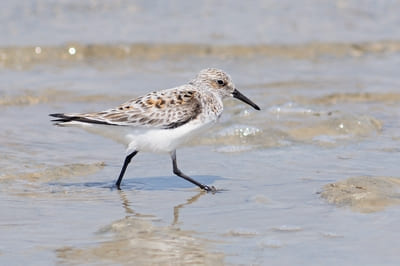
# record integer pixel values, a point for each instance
(152, 110)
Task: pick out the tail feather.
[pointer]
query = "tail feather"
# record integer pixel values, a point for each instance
(61, 118)
(64, 118)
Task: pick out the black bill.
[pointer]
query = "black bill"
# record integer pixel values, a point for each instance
(236, 94)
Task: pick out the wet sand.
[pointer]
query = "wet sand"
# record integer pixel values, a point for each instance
(76, 52)
(364, 194)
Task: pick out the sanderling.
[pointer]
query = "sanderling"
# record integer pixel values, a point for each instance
(162, 120)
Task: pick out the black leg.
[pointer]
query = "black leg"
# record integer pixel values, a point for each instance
(179, 173)
(126, 162)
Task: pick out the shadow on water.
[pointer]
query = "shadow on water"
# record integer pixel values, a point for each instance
(148, 183)
(165, 182)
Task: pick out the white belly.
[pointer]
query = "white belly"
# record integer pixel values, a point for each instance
(163, 140)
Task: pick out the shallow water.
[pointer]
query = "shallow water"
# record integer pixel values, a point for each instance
(330, 99)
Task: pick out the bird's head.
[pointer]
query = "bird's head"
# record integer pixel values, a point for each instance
(221, 83)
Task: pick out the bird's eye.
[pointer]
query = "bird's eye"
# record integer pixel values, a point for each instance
(221, 82)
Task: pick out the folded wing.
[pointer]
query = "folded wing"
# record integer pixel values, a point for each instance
(163, 109)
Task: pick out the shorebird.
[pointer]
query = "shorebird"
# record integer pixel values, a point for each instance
(161, 121)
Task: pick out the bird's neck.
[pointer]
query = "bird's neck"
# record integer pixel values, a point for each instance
(212, 103)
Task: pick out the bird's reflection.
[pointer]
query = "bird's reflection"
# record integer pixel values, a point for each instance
(136, 239)
(191, 200)
(126, 204)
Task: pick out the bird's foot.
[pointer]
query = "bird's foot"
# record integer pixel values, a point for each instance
(211, 189)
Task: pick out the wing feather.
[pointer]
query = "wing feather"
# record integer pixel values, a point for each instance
(165, 109)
